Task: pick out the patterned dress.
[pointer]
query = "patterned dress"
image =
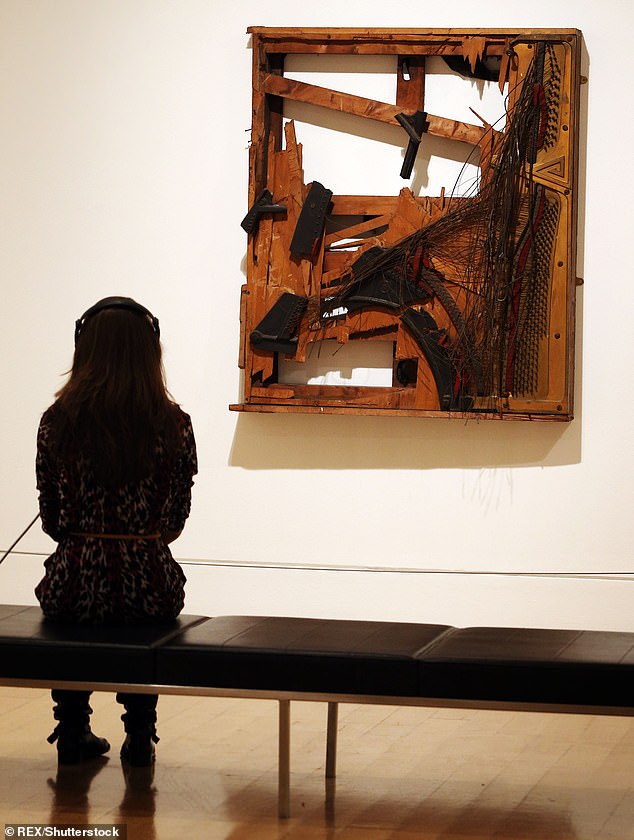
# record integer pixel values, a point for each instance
(93, 579)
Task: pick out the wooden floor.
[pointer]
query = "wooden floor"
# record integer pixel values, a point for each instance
(403, 773)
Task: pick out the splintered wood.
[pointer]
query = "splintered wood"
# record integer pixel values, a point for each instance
(476, 294)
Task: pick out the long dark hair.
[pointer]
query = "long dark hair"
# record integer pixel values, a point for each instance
(115, 408)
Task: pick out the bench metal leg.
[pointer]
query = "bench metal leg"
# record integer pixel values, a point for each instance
(284, 765)
(331, 740)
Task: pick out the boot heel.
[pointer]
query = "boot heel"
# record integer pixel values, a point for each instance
(138, 749)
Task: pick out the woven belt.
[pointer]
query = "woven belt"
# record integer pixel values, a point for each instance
(117, 536)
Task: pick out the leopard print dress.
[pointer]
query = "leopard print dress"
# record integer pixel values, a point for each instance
(92, 579)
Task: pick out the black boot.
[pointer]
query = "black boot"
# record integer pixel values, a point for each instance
(75, 740)
(139, 722)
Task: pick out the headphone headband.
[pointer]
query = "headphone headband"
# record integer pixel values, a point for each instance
(115, 303)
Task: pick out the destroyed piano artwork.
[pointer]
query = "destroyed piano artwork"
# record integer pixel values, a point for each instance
(469, 294)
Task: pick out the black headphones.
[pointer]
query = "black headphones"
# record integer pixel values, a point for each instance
(115, 303)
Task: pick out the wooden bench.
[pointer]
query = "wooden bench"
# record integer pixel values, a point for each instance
(326, 660)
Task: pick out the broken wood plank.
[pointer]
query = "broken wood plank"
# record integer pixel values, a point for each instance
(371, 109)
(356, 230)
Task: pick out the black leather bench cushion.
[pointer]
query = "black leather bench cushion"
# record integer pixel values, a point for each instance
(573, 667)
(32, 647)
(297, 654)
(582, 668)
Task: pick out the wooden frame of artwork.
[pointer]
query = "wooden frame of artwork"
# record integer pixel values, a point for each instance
(474, 294)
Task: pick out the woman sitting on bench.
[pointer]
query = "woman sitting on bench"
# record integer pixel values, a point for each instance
(115, 461)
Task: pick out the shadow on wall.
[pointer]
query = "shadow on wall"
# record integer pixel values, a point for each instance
(330, 442)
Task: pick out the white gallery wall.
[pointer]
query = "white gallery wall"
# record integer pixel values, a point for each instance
(123, 161)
